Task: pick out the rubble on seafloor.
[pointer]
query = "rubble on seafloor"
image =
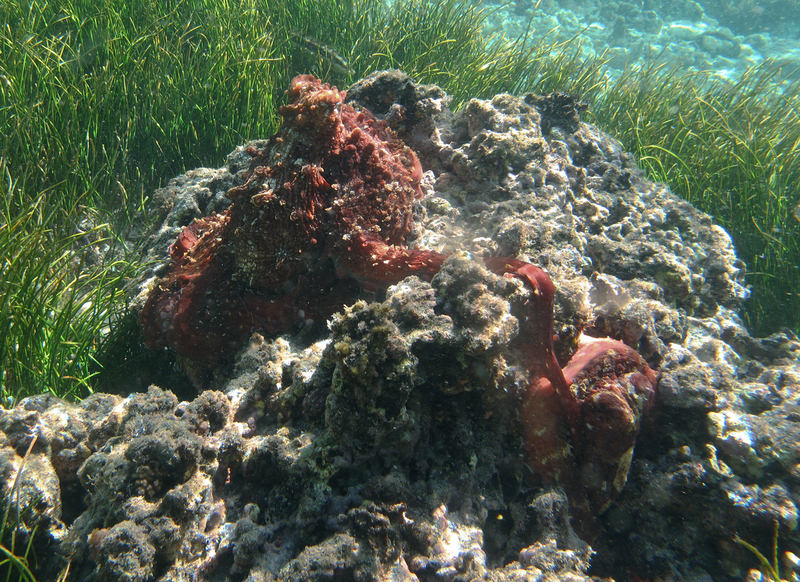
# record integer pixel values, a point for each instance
(387, 445)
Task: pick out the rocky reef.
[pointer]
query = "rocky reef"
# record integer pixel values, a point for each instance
(552, 293)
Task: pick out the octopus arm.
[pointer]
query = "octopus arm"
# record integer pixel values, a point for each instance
(376, 264)
(538, 326)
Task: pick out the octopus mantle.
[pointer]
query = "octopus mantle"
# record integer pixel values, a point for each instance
(323, 215)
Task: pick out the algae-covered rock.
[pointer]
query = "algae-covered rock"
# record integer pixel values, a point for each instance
(450, 335)
(388, 446)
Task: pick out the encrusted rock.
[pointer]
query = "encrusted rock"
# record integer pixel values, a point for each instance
(390, 446)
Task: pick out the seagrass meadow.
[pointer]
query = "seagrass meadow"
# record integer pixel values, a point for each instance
(102, 102)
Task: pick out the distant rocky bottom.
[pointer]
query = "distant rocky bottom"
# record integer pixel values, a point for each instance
(386, 444)
(713, 36)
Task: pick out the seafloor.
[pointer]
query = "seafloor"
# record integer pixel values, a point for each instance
(389, 444)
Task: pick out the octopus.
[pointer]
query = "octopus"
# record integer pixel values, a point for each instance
(323, 216)
(323, 213)
(580, 422)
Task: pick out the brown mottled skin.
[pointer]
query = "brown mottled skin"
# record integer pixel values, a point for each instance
(323, 215)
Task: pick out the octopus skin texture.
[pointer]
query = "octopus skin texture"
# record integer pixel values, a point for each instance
(322, 216)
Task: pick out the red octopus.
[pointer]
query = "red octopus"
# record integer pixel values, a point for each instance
(579, 423)
(323, 214)
(324, 211)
